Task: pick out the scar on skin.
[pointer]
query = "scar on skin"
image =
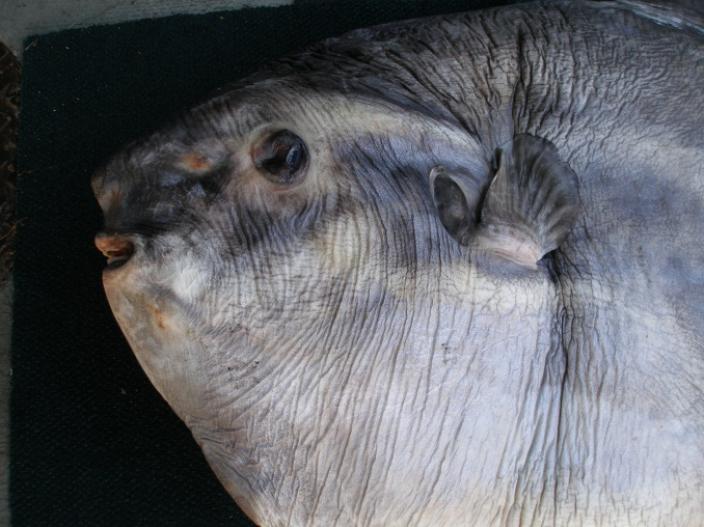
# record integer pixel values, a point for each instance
(195, 162)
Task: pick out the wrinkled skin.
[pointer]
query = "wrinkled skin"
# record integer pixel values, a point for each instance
(342, 360)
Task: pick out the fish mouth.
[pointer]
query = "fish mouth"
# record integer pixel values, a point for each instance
(117, 248)
(115, 262)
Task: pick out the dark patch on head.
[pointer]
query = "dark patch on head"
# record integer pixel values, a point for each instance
(151, 193)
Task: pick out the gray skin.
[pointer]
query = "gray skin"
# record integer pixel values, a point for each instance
(344, 354)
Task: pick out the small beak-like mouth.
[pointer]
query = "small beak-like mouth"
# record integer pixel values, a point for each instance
(117, 248)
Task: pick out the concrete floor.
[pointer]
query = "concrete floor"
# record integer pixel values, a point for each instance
(20, 19)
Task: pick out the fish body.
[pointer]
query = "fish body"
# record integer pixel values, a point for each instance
(442, 272)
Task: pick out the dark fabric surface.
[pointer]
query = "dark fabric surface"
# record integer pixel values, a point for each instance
(92, 443)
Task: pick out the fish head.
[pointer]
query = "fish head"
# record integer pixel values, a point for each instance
(252, 217)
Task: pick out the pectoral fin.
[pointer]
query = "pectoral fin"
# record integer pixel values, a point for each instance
(456, 196)
(527, 211)
(531, 204)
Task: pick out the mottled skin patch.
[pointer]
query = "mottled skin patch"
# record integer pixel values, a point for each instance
(342, 360)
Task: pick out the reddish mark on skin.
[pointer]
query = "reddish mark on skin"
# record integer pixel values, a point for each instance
(158, 316)
(196, 162)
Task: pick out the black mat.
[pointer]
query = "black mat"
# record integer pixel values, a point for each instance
(92, 442)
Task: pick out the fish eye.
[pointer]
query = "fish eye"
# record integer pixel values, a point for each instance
(280, 157)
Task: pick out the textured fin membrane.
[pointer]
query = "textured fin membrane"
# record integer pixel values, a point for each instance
(531, 204)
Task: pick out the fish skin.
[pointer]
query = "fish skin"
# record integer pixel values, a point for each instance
(342, 360)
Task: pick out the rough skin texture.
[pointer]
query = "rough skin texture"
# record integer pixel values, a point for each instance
(342, 360)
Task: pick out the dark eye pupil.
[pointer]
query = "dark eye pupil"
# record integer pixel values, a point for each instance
(281, 156)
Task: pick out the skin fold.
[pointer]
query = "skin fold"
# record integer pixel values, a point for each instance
(343, 359)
